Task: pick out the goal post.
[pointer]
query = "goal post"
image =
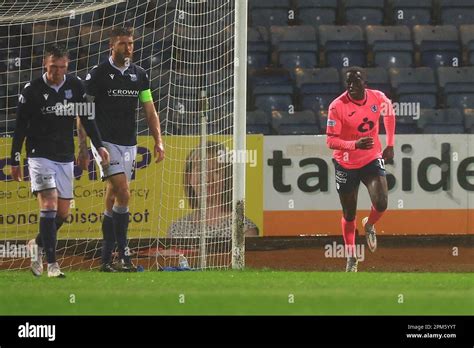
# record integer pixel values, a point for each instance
(190, 205)
(240, 107)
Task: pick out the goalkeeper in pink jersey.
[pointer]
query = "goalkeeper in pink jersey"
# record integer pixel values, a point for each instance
(353, 133)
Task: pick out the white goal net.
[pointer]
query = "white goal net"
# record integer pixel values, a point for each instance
(191, 204)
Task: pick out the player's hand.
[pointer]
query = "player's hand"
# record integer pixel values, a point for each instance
(105, 158)
(83, 159)
(388, 155)
(159, 152)
(365, 143)
(16, 173)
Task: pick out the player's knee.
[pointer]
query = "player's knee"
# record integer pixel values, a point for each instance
(349, 215)
(122, 193)
(381, 204)
(49, 206)
(49, 203)
(62, 215)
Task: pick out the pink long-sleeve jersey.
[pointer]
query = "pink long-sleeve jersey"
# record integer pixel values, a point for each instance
(350, 120)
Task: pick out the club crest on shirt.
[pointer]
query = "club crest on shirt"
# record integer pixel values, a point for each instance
(331, 123)
(112, 76)
(133, 77)
(45, 96)
(68, 94)
(374, 108)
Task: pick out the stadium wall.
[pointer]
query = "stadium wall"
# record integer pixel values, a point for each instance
(290, 189)
(431, 187)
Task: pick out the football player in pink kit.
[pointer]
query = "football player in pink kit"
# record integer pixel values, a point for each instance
(352, 132)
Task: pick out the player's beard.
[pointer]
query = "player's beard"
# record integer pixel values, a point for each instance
(123, 59)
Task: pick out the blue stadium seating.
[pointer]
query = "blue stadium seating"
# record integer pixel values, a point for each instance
(322, 116)
(317, 12)
(457, 85)
(317, 87)
(297, 123)
(416, 85)
(457, 12)
(3, 95)
(406, 125)
(269, 12)
(364, 12)
(467, 38)
(468, 115)
(344, 45)
(272, 89)
(259, 122)
(258, 48)
(441, 121)
(219, 86)
(269, 76)
(273, 97)
(410, 13)
(296, 46)
(438, 45)
(392, 46)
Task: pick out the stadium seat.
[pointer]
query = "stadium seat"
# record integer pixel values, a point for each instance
(153, 49)
(8, 119)
(406, 125)
(414, 85)
(115, 14)
(344, 46)
(273, 97)
(219, 86)
(457, 86)
(269, 12)
(438, 45)
(259, 122)
(297, 123)
(392, 46)
(131, 13)
(441, 121)
(469, 120)
(272, 89)
(322, 116)
(467, 38)
(184, 110)
(258, 48)
(269, 76)
(363, 12)
(410, 13)
(317, 87)
(377, 78)
(222, 122)
(86, 18)
(457, 12)
(317, 12)
(73, 58)
(295, 46)
(3, 99)
(42, 33)
(90, 34)
(97, 47)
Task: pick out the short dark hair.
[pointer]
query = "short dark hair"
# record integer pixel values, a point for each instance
(357, 69)
(56, 51)
(120, 31)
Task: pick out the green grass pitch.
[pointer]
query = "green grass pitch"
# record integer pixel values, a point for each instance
(248, 292)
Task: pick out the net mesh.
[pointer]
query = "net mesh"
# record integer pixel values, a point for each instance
(179, 207)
